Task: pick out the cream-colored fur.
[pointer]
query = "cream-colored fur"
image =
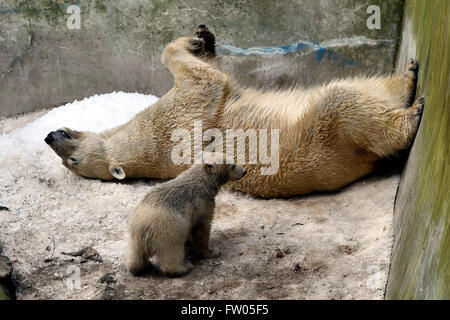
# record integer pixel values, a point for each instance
(330, 135)
(174, 211)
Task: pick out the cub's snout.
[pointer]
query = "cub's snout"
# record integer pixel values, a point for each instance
(237, 172)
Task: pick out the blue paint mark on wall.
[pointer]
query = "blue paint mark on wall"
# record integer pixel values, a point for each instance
(4, 10)
(320, 51)
(265, 51)
(319, 54)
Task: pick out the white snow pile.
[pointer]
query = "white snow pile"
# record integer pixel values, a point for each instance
(24, 148)
(94, 114)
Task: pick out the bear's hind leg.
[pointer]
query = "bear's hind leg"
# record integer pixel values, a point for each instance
(411, 75)
(414, 115)
(390, 131)
(407, 123)
(402, 87)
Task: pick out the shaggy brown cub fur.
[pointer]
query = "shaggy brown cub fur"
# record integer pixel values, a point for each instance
(174, 211)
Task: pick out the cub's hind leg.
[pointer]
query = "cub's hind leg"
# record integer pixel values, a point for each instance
(138, 263)
(172, 261)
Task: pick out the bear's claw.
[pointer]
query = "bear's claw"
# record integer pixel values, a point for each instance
(420, 106)
(202, 32)
(196, 45)
(413, 65)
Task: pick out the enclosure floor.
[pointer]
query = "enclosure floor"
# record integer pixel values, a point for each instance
(322, 246)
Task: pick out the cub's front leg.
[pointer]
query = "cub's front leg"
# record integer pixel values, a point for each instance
(200, 238)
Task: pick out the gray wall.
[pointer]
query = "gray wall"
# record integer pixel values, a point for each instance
(44, 64)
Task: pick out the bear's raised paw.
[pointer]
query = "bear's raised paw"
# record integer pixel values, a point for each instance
(419, 106)
(413, 65)
(202, 32)
(195, 45)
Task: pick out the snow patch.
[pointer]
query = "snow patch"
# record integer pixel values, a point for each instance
(95, 114)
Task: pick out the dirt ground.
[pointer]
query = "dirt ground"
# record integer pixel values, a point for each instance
(321, 246)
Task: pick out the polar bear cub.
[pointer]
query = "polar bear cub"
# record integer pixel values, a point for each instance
(174, 212)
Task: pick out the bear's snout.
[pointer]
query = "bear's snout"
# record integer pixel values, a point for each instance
(49, 139)
(56, 135)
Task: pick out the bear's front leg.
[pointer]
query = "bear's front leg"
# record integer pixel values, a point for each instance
(202, 45)
(190, 70)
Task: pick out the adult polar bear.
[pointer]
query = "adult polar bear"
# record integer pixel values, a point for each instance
(329, 136)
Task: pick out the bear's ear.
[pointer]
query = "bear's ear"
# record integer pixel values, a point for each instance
(117, 171)
(72, 161)
(208, 167)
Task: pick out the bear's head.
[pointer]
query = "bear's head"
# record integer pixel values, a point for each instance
(84, 154)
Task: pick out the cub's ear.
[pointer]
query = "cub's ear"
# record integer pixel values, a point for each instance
(208, 167)
(117, 171)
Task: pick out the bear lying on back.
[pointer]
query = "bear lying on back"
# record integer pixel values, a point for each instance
(329, 135)
(172, 213)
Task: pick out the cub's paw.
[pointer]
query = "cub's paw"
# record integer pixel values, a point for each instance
(413, 65)
(212, 253)
(202, 32)
(138, 271)
(179, 271)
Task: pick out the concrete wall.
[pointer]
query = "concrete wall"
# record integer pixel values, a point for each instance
(420, 260)
(43, 63)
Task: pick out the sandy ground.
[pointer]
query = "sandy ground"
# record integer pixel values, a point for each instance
(322, 246)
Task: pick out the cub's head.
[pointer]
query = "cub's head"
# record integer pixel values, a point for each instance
(225, 172)
(83, 153)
